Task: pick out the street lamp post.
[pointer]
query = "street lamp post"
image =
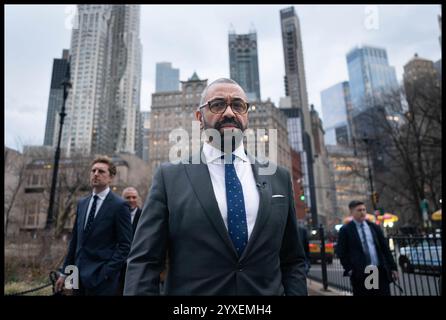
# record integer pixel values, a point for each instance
(66, 85)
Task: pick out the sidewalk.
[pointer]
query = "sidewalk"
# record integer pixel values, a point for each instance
(316, 289)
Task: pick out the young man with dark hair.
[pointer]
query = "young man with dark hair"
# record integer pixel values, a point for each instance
(361, 244)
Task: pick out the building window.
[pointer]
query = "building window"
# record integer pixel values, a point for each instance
(32, 213)
(35, 180)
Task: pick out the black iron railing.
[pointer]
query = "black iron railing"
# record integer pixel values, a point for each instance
(419, 261)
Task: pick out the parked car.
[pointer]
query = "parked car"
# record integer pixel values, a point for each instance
(424, 256)
(315, 251)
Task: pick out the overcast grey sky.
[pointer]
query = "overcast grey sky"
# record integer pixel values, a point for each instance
(195, 38)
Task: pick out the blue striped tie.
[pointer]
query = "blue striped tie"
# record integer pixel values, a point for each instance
(237, 226)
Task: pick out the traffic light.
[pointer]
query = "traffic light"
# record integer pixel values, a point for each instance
(302, 197)
(375, 198)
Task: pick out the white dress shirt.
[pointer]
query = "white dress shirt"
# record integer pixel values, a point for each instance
(132, 214)
(370, 242)
(101, 197)
(244, 172)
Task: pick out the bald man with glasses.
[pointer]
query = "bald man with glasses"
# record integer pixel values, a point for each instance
(226, 229)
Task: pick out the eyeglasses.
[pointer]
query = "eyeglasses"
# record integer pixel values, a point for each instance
(219, 106)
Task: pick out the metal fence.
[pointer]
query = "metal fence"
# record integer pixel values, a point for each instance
(419, 261)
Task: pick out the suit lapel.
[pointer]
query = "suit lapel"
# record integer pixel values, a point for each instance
(200, 180)
(136, 218)
(265, 193)
(355, 234)
(83, 207)
(104, 208)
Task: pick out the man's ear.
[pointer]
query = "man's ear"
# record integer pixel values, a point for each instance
(199, 117)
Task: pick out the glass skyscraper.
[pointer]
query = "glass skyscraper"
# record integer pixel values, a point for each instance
(167, 78)
(336, 106)
(243, 63)
(370, 75)
(55, 101)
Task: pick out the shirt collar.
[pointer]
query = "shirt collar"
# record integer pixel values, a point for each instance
(212, 154)
(102, 194)
(358, 224)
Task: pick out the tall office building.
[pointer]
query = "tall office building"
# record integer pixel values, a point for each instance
(336, 109)
(60, 68)
(243, 63)
(145, 118)
(296, 88)
(343, 163)
(167, 78)
(295, 83)
(370, 76)
(103, 104)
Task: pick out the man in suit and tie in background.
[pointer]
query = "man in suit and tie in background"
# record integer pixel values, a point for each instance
(101, 235)
(131, 195)
(360, 244)
(227, 230)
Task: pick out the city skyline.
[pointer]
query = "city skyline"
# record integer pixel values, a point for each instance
(203, 35)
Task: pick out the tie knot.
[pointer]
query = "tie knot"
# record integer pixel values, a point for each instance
(95, 197)
(232, 157)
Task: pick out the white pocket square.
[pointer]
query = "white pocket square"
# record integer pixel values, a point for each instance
(278, 196)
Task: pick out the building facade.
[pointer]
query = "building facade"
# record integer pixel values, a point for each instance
(265, 116)
(350, 172)
(169, 111)
(103, 103)
(243, 63)
(323, 177)
(145, 117)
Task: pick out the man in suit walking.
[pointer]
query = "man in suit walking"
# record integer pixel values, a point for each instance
(131, 195)
(227, 230)
(360, 244)
(101, 235)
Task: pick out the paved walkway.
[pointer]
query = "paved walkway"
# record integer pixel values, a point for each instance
(316, 289)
